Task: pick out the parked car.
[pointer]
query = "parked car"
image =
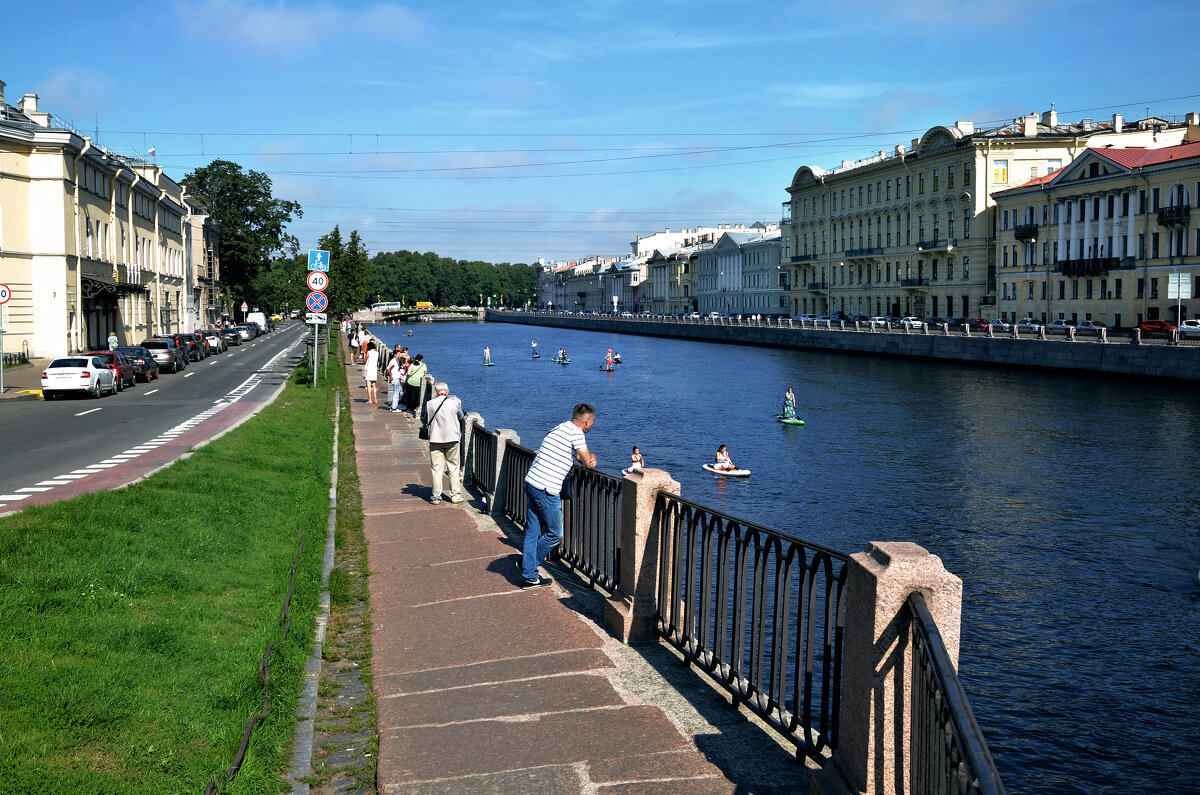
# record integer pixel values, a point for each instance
(912, 322)
(244, 332)
(999, 324)
(202, 341)
(807, 317)
(167, 353)
(1092, 326)
(84, 374)
(1028, 324)
(120, 366)
(878, 319)
(1059, 325)
(216, 343)
(978, 324)
(231, 336)
(1156, 327)
(145, 367)
(1189, 328)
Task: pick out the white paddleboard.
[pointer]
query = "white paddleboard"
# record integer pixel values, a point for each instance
(733, 473)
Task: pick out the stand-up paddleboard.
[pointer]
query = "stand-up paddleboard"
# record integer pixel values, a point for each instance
(489, 364)
(607, 369)
(561, 361)
(733, 473)
(790, 420)
(535, 356)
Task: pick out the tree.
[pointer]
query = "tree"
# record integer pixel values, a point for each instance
(252, 219)
(348, 271)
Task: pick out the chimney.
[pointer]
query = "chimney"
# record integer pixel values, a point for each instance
(1050, 118)
(965, 127)
(1, 94)
(900, 150)
(882, 154)
(29, 104)
(915, 143)
(1192, 119)
(1086, 124)
(1118, 122)
(668, 229)
(1029, 126)
(845, 164)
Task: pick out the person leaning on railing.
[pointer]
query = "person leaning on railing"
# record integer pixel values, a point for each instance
(543, 488)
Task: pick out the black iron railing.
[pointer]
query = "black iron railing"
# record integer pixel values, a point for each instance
(592, 527)
(948, 753)
(763, 613)
(483, 456)
(517, 460)
(1026, 232)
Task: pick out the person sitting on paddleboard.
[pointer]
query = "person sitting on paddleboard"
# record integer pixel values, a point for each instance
(635, 460)
(616, 358)
(723, 461)
(789, 405)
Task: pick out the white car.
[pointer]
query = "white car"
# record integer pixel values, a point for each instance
(997, 323)
(807, 317)
(216, 343)
(883, 320)
(1028, 323)
(1189, 328)
(85, 374)
(1059, 325)
(912, 322)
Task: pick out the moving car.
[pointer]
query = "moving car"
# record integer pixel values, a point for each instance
(1161, 327)
(120, 366)
(1189, 328)
(912, 322)
(84, 374)
(878, 319)
(999, 324)
(145, 367)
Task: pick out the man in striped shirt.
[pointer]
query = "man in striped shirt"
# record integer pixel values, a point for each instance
(543, 518)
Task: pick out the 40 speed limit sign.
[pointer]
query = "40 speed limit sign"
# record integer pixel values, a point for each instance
(318, 281)
(5, 293)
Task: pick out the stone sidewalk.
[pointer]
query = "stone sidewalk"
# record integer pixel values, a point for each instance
(483, 687)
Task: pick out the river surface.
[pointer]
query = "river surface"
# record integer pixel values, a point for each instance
(1067, 504)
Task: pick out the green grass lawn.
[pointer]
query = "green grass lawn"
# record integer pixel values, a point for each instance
(133, 620)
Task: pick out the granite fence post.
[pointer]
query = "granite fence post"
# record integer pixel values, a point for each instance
(631, 612)
(466, 449)
(499, 488)
(872, 757)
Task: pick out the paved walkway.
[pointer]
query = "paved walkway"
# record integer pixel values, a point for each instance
(483, 687)
(24, 381)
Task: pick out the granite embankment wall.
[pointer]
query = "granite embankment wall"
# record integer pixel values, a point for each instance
(1122, 358)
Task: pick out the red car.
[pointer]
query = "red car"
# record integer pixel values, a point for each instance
(977, 324)
(1156, 327)
(121, 367)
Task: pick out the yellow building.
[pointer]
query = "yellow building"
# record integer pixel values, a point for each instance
(909, 232)
(90, 241)
(1098, 240)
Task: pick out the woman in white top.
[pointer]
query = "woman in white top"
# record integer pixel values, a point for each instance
(371, 373)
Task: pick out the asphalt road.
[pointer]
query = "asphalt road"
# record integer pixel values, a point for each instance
(51, 450)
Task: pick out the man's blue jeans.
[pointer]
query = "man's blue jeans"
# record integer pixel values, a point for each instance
(543, 529)
(394, 392)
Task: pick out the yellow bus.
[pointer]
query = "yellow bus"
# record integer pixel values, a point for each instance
(424, 305)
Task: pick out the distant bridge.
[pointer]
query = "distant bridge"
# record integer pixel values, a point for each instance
(410, 313)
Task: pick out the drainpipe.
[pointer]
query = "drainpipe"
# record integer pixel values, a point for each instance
(1145, 249)
(87, 145)
(131, 240)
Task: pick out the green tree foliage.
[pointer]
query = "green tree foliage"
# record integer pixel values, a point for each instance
(413, 276)
(252, 220)
(281, 286)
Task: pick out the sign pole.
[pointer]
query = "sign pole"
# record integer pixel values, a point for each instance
(313, 362)
(1, 349)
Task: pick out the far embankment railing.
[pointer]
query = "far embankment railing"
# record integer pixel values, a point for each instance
(822, 646)
(1174, 356)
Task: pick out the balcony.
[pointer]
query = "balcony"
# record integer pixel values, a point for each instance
(818, 287)
(1026, 233)
(987, 300)
(1179, 215)
(935, 244)
(802, 258)
(856, 253)
(914, 283)
(1092, 266)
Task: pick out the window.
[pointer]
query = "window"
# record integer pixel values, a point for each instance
(1062, 289)
(1000, 172)
(1030, 295)
(949, 270)
(908, 185)
(1103, 289)
(1125, 203)
(1052, 165)
(967, 225)
(1088, 289)
(1154, 246)
(1043, 291)
(950, 224)
(1155, 201)
(1153, 287)
(1074, 289)
(920, 182)
(949, 177)
(1111, 202)
(860, 196)
(868, 194)
(1141, 202)
(935, 181)
(966, 173)
(1141, 288)
(966, 268)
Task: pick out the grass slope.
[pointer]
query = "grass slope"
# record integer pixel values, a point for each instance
(133, 620)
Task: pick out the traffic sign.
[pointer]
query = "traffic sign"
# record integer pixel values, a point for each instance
(5, 293)
(318, 281)
(245, 306)
(316, 302)
(318, 260)
(317, 318)
(1179, 285)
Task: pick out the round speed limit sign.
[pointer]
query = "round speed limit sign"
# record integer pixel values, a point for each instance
(318, 281)
(5, 293)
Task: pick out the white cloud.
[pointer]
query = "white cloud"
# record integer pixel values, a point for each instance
(275, 28)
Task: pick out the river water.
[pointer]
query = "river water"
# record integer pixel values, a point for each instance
(1067, 504)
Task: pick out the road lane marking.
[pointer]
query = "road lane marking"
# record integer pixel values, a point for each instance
(13, 497)
(152, 391)
(35, 489)
(59, 481)
(89, 411)
(188, 375)
(73, 476)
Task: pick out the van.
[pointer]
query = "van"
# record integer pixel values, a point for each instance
(259, 319)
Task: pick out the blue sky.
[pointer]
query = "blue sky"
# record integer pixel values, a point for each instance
(505, 131)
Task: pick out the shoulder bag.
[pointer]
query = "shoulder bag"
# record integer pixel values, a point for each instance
(423, 431)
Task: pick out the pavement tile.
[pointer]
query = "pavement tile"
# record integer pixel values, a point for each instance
(430, 550)
(527, 697)
(433, 752)
(457, 580)
(560, 662)
(502, 627)
(649, 767)
(556, 778)
(715, 785)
